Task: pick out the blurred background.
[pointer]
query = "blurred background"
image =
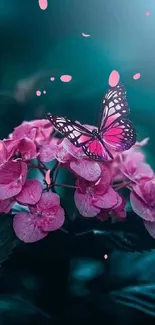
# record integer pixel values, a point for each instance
(85, 39)
(37, 45)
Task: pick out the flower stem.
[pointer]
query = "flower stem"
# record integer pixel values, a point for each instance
(42, 166)
(65, 185)
(119, 186)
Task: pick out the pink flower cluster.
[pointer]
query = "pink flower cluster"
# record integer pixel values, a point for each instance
(33, 145)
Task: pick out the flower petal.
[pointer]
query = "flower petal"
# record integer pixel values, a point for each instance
(47, 152)
(84, 204)
(6, 205)
(150, 227)
(53, 222)
(48, 203)
(31, 192)
(12, 178)
(107, 200)
(141, 208)
(72, 150)
(26, 228)
(25, 130)
(27, 149)
(89, 170)
(3, 152)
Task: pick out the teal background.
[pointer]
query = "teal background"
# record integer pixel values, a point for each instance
(65, 278)
(37, 44)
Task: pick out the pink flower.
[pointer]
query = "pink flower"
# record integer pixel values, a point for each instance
(91, 197)
(150, 227)
(48, 152)
(53, 150)
(38, 130)
(3, 153)
(143, 200)
(118, 211)
(12, 178)
(132, 165)
(88, 169)
(142, 143)
(6, 205)
(31, 192)
(114, 164)
(24, 149)
(27, 138)
(73, 150)
(47, 215)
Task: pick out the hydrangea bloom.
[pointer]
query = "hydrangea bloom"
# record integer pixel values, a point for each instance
(47, 215)
(91, 197)
(33, 145)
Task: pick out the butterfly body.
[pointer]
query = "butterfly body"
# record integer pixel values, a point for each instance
(114, 134)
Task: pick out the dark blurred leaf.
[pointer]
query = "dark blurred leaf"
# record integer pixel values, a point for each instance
(16, 310)
(140, 297)
(8, 239)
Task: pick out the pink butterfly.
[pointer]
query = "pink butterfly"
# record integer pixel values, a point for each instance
(114, 134)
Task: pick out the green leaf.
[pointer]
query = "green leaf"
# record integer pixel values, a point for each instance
(8, 239)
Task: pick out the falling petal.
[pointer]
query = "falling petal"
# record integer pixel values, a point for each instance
(114, 78)
(136, 76)
(38, 93)
(47, 177)
(85, 35)
(44, 92)
(105, 256)
(43, 4)
(52, 78)
(66, 78)
(147, 13)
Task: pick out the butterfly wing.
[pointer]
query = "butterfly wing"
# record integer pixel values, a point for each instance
(114, 107)
(117, 133)
(80, 137)
(120, 136)
(96, 150)
(76, 133)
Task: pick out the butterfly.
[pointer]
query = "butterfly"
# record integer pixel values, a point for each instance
(114, 133)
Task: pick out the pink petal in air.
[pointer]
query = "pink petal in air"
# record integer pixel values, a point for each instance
(66, 78)
(44, 92)
(136, 76)
(27, 229)
(85, 35)
(38, 93)
(43, 4)
(31, 192)
(147, 13)
(114, 78)
(105, 256)
(52, 78)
